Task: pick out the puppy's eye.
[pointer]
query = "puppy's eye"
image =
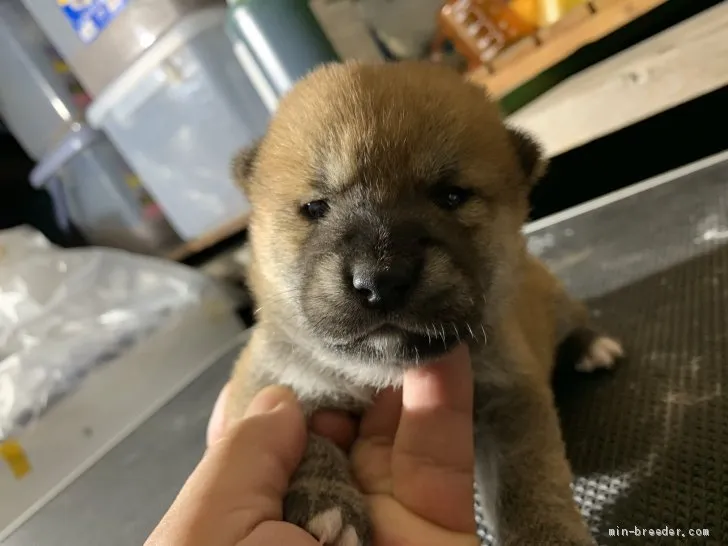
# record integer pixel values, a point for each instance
(451, 197)
(315, 210)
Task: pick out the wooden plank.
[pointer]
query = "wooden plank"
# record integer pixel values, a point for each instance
(208, 240)
(608, 17)
(675, 66)
(573, 18)
(520, 49)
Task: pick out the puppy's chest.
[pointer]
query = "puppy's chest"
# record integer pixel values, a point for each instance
(320, 389)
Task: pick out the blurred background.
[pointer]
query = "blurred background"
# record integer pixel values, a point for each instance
(119, 221)
(119, 117)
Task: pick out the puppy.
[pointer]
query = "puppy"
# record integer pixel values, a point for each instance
(387, 207)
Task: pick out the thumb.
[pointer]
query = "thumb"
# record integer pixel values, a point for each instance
(242, 477)
(433, 455)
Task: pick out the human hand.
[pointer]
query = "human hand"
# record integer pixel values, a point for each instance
(413, 457)
(234, 496)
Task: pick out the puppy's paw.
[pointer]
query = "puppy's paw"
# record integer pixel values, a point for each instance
(601, 354)
(329, 528)
(335, 514)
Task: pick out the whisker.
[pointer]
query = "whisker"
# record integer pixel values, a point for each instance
(457, 333)
(470, 329)
(485, 336)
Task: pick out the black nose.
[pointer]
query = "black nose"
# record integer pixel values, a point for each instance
(385, 286)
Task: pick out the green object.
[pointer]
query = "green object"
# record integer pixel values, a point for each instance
(277, 42)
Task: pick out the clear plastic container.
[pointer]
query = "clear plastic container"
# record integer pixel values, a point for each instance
(36, 100)
(101, 51)
(179, 115)
(277, 42)
(93, 188)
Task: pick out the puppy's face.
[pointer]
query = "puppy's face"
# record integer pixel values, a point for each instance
(387, 204)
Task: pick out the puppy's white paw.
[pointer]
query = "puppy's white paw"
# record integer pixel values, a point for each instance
(602, 354)
(335, 513)
(327, 528)
(349, 537)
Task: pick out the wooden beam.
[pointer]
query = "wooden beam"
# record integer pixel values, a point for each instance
(208, 240)
(587, 24)
(675, 66)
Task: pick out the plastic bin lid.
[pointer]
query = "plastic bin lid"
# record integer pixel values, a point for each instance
(76, 140)
(183, 32)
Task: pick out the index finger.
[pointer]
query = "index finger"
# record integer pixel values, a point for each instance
(433, 455)
(242, 477)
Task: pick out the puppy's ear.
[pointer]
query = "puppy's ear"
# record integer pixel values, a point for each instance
(530, 155)
(244, 163)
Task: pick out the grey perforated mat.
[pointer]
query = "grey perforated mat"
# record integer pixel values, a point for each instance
(648, 443)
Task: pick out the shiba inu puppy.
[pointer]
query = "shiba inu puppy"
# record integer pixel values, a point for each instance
(386, 227)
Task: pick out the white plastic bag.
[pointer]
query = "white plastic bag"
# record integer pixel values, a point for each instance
(63, 312)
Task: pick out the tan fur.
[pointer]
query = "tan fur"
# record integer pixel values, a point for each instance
(381, 130)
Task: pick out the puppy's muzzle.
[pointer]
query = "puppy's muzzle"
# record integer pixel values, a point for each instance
(385, 287)
(383, 265)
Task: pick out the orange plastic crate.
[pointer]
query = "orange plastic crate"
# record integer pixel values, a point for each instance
(480, 29)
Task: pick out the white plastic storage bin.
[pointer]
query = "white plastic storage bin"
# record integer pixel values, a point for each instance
(37, 101)
(93, 187)
(179, 115)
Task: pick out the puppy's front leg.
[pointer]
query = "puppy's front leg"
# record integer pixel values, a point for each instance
(524, 477)
(323, 499)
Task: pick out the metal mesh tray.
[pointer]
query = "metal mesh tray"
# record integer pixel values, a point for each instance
(649, 443)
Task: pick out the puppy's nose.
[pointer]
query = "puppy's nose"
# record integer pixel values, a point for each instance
(385, 287)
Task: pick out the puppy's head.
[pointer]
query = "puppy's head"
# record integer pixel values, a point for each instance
(387, 205)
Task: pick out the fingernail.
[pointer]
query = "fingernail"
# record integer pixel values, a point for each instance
(269, 400)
